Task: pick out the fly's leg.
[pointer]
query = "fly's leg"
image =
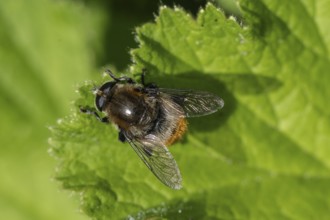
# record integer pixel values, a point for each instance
(150, 88)
(93, 112)
(143, 74)
(121, 136)
(143, 82)
(120, 79)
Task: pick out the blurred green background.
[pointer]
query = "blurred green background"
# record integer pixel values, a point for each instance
(47, 47)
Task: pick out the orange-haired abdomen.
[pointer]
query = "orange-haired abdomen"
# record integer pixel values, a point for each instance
(181, 128)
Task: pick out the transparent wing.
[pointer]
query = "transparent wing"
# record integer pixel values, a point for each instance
(195, 103)
(158, 159)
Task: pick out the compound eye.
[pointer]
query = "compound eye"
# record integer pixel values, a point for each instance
(100, 101)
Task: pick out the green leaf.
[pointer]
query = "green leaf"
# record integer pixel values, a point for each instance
(44, 49)
(265, 156)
